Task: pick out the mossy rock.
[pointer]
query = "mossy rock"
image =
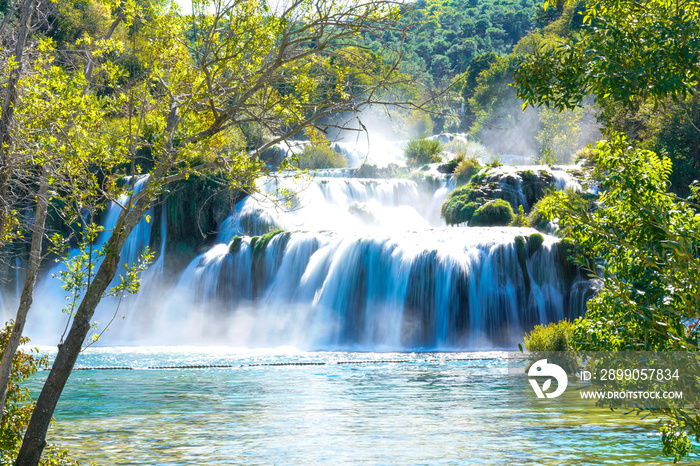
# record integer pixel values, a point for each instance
(235, 245)
(494, 213)
(521, 248)
(362, 211)
(260, 243)
(535, 242)
(460, 205)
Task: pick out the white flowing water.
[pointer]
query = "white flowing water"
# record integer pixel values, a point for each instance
(360, 264)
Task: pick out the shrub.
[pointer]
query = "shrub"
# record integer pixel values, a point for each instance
(320, 156)
(586, 155)
(466, 169)
(494, 213)
(520, 219)
(423, 150)
(451, 165)
(19, 406)
(537, 219)
(555, 336)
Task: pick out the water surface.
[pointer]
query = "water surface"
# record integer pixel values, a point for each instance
(354, 409)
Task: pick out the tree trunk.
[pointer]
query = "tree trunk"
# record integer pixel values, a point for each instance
(35, 436)
(42, 205)
(8, 109)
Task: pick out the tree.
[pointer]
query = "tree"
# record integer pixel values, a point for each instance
(643, 245)
(627, 50)
(19, 405)
(8, 103)
(193, 83)
(49, 149)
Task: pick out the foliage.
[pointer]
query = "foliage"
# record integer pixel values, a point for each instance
(618, 56)
(476, 67)
(422, 150)
(418, 123)
(520, 219)
(320, 156)
(537, 218)
(560, 133)
(447, 35)
(674, 130)
(555, 336)
(646, 243)
(494, 213)
(19, 405)
(80, 270)
(466, 168)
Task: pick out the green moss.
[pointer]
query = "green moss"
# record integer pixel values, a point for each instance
(260, 243)
(479, 177)
(235, 245)
(528, 175)
(521, 250)
(459, 206)
(494, 213)
(535, 242)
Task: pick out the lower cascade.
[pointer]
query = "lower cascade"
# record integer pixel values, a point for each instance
(439, 288)
(365, 264)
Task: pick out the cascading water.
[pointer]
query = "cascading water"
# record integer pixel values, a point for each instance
(347, 262)
(50, 298)
(435, 288)
(365, 263)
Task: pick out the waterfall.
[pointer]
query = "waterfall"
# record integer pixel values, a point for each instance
(443, 288)
(366, 264)
(330, 261)
(48, 295)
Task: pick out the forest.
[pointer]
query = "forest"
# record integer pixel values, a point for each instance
(559, 142)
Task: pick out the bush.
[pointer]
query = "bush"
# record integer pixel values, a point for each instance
(451, 165)
(423, 150)
(585, 155)
(320, 156)
(19, 406)
(520, 219)
(537, 218)
(466, 169)
(493, 213)
(555, 336)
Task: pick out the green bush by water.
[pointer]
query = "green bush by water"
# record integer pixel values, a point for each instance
(466, 168)
(318, 156)
(555, 336)
(422, 150)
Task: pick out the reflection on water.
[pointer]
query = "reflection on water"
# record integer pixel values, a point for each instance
(430, 410)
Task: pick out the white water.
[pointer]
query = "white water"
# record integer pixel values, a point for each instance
(364, 264)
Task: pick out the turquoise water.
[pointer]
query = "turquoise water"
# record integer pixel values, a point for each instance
(353, 409)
